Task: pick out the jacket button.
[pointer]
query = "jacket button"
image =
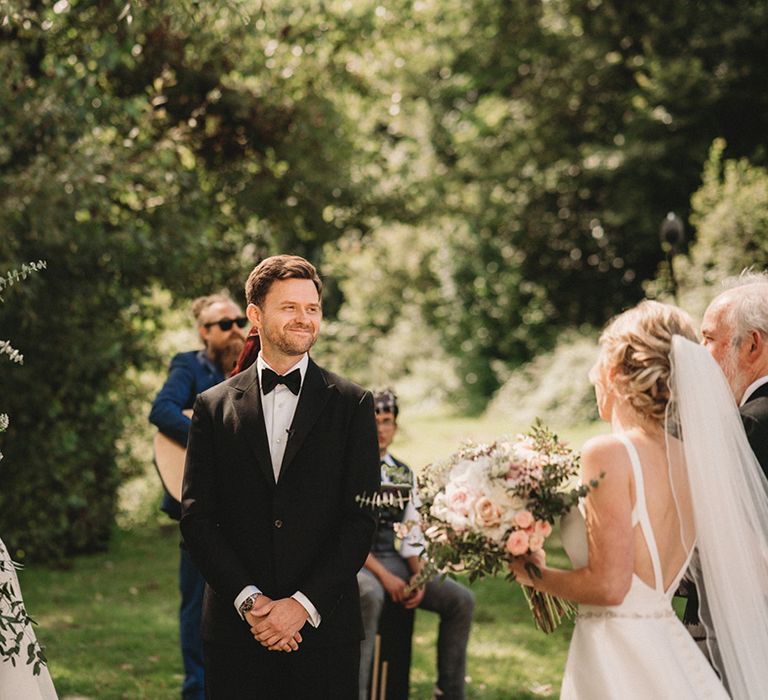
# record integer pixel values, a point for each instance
(278, 523)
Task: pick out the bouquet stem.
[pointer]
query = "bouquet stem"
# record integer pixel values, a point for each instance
(547, 610)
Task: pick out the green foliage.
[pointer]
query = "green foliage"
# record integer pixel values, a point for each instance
(553, 139)
(380, 336)
(554, 384)
(144, 145)
(730, 212)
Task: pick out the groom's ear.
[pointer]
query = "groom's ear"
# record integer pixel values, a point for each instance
(253, 313)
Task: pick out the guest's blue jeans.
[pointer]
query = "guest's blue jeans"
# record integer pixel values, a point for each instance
(191, 585)
(451, 601)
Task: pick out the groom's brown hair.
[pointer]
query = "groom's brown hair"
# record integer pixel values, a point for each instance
(279, 267)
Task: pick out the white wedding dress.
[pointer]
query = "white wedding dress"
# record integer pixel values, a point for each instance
(17, 682)
(637, 650)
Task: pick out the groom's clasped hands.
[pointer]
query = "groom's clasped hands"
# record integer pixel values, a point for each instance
(275, 624)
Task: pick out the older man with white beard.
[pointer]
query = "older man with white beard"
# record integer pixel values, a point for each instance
(735, 331)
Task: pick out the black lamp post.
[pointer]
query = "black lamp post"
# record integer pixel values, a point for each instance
(672, 235)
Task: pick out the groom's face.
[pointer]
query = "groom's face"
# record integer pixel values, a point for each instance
(289, 318)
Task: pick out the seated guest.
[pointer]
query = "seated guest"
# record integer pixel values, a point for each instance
(388, 570)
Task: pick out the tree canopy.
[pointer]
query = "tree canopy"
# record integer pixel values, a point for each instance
(475, 176)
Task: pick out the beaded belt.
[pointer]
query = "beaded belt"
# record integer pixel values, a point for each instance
(587, 615)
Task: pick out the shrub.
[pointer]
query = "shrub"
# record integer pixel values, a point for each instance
(554, 386)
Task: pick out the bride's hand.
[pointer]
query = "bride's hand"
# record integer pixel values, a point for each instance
(517, 567)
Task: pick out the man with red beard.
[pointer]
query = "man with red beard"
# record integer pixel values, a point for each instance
(277, 457)
(220, 325)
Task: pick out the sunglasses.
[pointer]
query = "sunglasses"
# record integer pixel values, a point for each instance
(226, 323)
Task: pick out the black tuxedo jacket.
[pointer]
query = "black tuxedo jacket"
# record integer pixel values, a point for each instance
(306, 533)
(754, 415)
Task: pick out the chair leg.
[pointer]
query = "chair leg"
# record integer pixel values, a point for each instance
(375, 673)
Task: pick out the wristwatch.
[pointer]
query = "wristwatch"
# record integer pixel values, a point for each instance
(248, 604)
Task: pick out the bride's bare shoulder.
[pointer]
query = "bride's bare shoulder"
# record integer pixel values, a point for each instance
(604, 453)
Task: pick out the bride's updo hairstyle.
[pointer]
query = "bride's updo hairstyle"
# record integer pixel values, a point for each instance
(637, 344)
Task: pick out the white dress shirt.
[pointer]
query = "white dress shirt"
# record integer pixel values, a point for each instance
(752, 388)
(278, 408)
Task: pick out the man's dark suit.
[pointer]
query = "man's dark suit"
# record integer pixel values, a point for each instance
(306, 533)
(754, 415)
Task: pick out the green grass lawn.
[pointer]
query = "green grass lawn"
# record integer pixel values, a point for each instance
(108, 625)
(109, 622)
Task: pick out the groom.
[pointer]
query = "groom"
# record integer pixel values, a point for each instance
(276, 457)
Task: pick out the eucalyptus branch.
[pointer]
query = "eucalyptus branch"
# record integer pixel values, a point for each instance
(4, 422)
(7, 349)
(389, 498)
(13, 276)
(14, 621)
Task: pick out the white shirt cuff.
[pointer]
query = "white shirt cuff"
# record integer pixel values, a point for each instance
(314, 616)
(248, 590)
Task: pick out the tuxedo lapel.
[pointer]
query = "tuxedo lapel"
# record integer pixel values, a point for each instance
(249, 410)
(760, 393)
(314, 395)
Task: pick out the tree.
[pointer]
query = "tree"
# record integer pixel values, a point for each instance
(560, 134)
(142, 150)
(730, 212)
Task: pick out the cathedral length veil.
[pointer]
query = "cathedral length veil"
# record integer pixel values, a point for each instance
(729, 494)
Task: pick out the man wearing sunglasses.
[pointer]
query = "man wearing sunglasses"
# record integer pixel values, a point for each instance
(221, 327)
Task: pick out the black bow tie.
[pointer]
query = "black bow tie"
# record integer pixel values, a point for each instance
(270, 379)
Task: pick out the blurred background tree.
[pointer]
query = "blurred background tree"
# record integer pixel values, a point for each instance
(477, 180)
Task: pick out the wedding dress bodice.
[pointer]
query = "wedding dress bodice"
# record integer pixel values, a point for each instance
(638, 649)
(641, 598)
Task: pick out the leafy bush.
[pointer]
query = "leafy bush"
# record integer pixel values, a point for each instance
(553, 387)
(730, 213)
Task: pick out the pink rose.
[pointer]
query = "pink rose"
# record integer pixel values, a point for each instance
(517, 543)
(487, 513)
(515, 471)
(535, 543)
(543, 528)
(523, 519)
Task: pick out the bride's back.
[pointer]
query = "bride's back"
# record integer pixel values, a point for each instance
(632, 383)
(668, 504)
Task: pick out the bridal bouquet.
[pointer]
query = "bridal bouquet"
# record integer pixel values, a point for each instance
(488, 503)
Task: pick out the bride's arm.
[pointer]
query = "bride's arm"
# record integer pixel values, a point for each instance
(607, 577)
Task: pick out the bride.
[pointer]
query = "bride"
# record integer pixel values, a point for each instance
(675, 473)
